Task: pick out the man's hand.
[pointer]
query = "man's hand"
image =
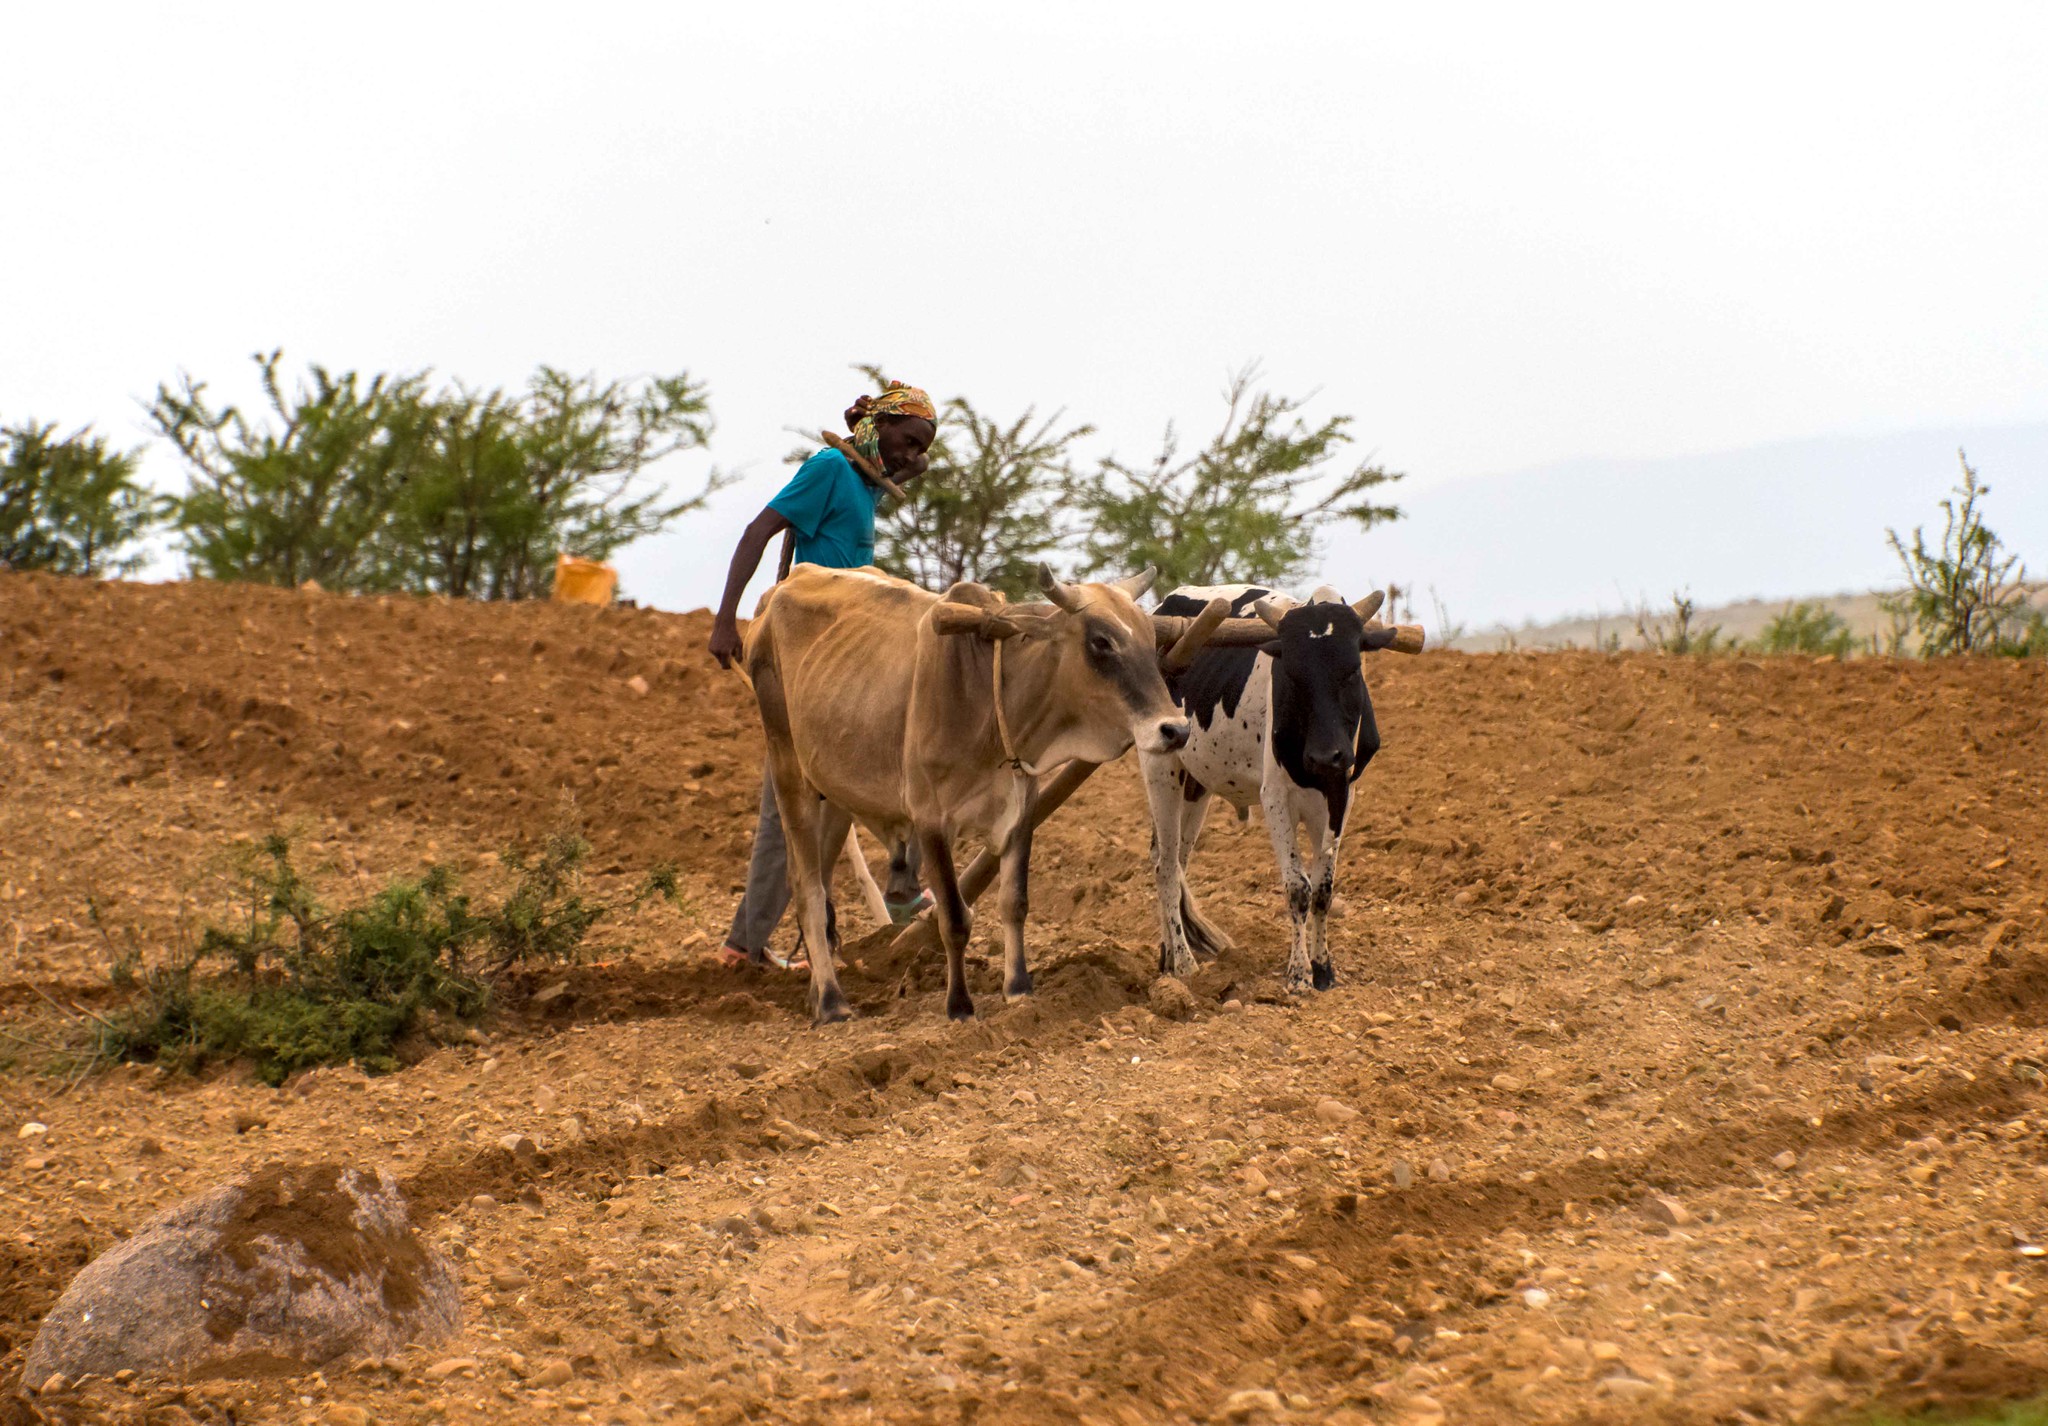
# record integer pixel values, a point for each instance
(725, 640)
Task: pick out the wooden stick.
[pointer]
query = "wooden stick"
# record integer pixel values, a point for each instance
(1170, 629)
(861, 463)
(788, 554)
(923, 933)
(949, 616)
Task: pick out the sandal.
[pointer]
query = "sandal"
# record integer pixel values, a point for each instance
(731, 957)
(798, 960)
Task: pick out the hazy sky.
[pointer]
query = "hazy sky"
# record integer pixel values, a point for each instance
(1501, 237)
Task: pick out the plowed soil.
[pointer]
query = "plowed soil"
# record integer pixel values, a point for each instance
(1685, 1062)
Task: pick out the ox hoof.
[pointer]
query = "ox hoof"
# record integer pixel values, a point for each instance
(1180, 967)
(1019, 988)
(960, 1005)
(831, 1010)
(1323, 976)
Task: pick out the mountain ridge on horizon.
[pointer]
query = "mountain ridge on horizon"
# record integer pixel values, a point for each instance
(1772, 522)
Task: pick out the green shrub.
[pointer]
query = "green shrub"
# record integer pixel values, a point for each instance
(2026, 639)
(397, 483)
(294, 984)
(2012, 1413)
(1806, 629)
(1679, 636)
(70, 506)
(1967, 594)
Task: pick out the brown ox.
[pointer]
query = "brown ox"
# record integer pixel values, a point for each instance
(873, 715)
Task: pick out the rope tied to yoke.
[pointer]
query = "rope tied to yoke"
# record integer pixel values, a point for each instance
(1010, 758)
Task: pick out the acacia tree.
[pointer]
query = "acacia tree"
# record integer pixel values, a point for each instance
(508, 482)
(988, 508)
(302, 494)
(1244, 506)
(70, 506)
(394, 485)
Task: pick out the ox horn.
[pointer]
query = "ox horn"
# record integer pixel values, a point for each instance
(1135, 585)
(1060, 594)
(1270, 609)
(1370, 605)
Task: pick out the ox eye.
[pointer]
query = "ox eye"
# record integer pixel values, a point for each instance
(1100, 646)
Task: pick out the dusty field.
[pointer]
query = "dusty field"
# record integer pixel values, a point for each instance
(1768, 941)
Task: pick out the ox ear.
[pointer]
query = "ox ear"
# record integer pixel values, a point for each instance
(1370, 605)
(1378, 636)
(1060, 594)
(1270, 608)
(1135, 585)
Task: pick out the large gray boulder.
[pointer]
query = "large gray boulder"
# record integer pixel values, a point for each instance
(288, 1267)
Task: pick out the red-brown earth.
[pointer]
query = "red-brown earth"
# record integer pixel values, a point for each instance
(1686, 1060)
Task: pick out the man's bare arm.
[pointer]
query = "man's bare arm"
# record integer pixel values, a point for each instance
(746, 558)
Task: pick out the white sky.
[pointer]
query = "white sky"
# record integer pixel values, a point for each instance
(1501, 237)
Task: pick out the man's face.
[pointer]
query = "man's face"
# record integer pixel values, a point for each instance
(905, 440)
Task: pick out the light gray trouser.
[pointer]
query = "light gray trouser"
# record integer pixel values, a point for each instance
(767, 895)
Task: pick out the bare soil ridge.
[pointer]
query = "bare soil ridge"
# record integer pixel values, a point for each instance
(1762, 938)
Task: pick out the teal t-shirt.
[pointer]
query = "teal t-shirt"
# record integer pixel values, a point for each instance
(832, 511)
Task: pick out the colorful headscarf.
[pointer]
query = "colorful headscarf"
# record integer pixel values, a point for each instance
(896, 399)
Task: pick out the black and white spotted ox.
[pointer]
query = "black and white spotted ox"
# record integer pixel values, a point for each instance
(1287, 725)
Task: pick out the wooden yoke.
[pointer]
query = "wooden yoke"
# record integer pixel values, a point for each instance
(1182, 650)
(1408, 638)
(1180, 637)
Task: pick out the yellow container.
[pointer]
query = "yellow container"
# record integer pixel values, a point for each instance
(579, 581)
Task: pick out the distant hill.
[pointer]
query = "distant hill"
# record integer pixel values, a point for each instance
(1742, 621)
(1568, 540)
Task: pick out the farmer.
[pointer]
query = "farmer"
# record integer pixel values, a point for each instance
(829, 508)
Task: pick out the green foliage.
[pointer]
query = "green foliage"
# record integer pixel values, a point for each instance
(294, 984)
(392, 484)
(69, 506)
(1678, 636)
(302, 494)
(2026, 639)
(508, 482)
(543, 919)
(1966, 594)
(1244, 506)
(988, 509)
(1804, 628)
(2010, 1413)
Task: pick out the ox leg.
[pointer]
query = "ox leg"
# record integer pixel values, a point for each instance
(1164, 779)
(1294, 883)
(1016, 895)
(835, 837)
(810, 867)
(1322, 887)
(1205, 937)
(950, 910)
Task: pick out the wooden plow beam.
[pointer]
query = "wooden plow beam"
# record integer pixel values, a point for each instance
(1180, 638)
